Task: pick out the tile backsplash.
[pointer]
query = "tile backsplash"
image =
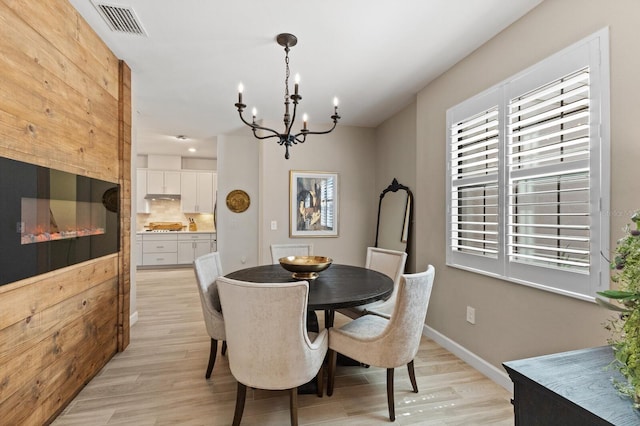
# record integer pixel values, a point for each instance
(169, 211)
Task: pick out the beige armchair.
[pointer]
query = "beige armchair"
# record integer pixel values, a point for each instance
(269, 346)
(207, 269)
(386, 343)
(388, 262)
(284, 250)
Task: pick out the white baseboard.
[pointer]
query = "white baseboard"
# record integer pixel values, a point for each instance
(489, 370)
(133, 318)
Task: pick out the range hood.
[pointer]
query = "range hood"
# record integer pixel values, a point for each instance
(162, 197)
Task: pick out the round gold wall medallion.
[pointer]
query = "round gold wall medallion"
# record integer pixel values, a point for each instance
(238, 201)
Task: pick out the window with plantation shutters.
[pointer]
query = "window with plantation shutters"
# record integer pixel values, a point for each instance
(548, 204)
(528, 175)
(474, 184)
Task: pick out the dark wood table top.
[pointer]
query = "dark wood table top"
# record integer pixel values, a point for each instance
(340, 286)
(581, 378)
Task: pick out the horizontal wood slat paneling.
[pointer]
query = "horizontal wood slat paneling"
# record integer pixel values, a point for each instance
(57, 330)
(43, 291)
(63, 106)
(75, 361)
(63, 28)
(57, 100)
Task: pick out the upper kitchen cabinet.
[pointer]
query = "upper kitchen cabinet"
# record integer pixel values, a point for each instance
(197, 191)
(163, 182)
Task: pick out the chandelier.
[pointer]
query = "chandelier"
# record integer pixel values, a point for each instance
(287, 138)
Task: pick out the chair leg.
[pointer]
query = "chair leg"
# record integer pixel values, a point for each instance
(240, 398)
(392, 408)
(293, 406)
(333, 356)
(212, 357)
(224, 347)
(320, 381)
(412, 377)
(329, 316)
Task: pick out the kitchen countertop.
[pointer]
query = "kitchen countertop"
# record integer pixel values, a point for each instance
(175, 232)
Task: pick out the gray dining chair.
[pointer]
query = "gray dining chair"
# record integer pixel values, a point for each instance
(386, 343)
(388, 262)
(284, 250)
(269, 345)
(207, 269)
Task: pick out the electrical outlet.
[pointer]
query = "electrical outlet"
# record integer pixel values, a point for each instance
(274, 225)
(471, 315)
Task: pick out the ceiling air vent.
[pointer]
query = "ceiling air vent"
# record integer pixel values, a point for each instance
(121, 19)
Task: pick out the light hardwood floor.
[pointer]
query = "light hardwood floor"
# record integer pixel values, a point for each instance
(159, 379)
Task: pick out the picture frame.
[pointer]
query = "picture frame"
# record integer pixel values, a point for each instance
(313, 204)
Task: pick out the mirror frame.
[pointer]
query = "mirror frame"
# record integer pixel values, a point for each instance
(407, 226)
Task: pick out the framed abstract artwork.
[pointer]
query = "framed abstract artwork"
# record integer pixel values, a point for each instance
(313, 204)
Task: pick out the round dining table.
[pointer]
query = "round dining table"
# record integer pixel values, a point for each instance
(339, 286)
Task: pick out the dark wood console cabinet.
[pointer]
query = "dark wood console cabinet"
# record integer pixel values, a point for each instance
(569, 388)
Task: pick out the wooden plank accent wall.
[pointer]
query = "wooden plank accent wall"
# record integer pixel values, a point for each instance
(124, 158)
(65, 103)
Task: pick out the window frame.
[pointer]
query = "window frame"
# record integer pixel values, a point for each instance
(591, 52)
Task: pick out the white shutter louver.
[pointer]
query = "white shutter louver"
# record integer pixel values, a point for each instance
(548, 145)
(474, 184)
(327, 198)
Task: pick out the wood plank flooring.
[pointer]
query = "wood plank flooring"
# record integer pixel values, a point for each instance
(159, 379)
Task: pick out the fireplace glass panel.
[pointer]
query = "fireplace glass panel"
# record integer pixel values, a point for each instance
(51, 219)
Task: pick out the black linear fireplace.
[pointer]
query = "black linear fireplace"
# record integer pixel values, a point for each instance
(50, 219)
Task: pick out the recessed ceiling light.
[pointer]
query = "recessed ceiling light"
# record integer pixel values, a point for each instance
(192, 150)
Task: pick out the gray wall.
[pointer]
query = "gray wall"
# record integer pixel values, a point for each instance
(514, 321)
(259, 168)
(396, 158)
(237, 233)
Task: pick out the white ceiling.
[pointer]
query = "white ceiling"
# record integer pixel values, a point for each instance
(374, 55)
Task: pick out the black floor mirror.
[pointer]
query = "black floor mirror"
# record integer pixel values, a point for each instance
(395, 219)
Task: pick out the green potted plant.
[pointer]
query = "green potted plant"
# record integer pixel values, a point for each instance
(625, 327)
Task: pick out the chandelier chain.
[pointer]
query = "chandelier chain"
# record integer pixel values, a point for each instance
(286, 78)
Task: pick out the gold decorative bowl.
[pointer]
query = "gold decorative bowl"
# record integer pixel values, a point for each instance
(305, 267)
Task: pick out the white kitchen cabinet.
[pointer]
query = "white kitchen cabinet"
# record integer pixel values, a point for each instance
(197, 190)
(142, 205)
(160, 249)
(163, 182)
(138, 250)
(192, 246)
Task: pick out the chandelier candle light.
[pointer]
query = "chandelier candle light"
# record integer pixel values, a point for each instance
(287, 138)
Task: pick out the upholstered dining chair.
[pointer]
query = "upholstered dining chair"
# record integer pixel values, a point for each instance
(387, 343)
(269, 346)
(284, 250)
(207, 269)
(388, 262)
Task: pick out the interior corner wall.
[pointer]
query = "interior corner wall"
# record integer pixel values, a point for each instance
(237, 233)
(63, 106)
(514, 321)
(349, 151)
(396, 158)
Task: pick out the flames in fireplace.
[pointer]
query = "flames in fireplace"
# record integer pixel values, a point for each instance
(50, 220)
